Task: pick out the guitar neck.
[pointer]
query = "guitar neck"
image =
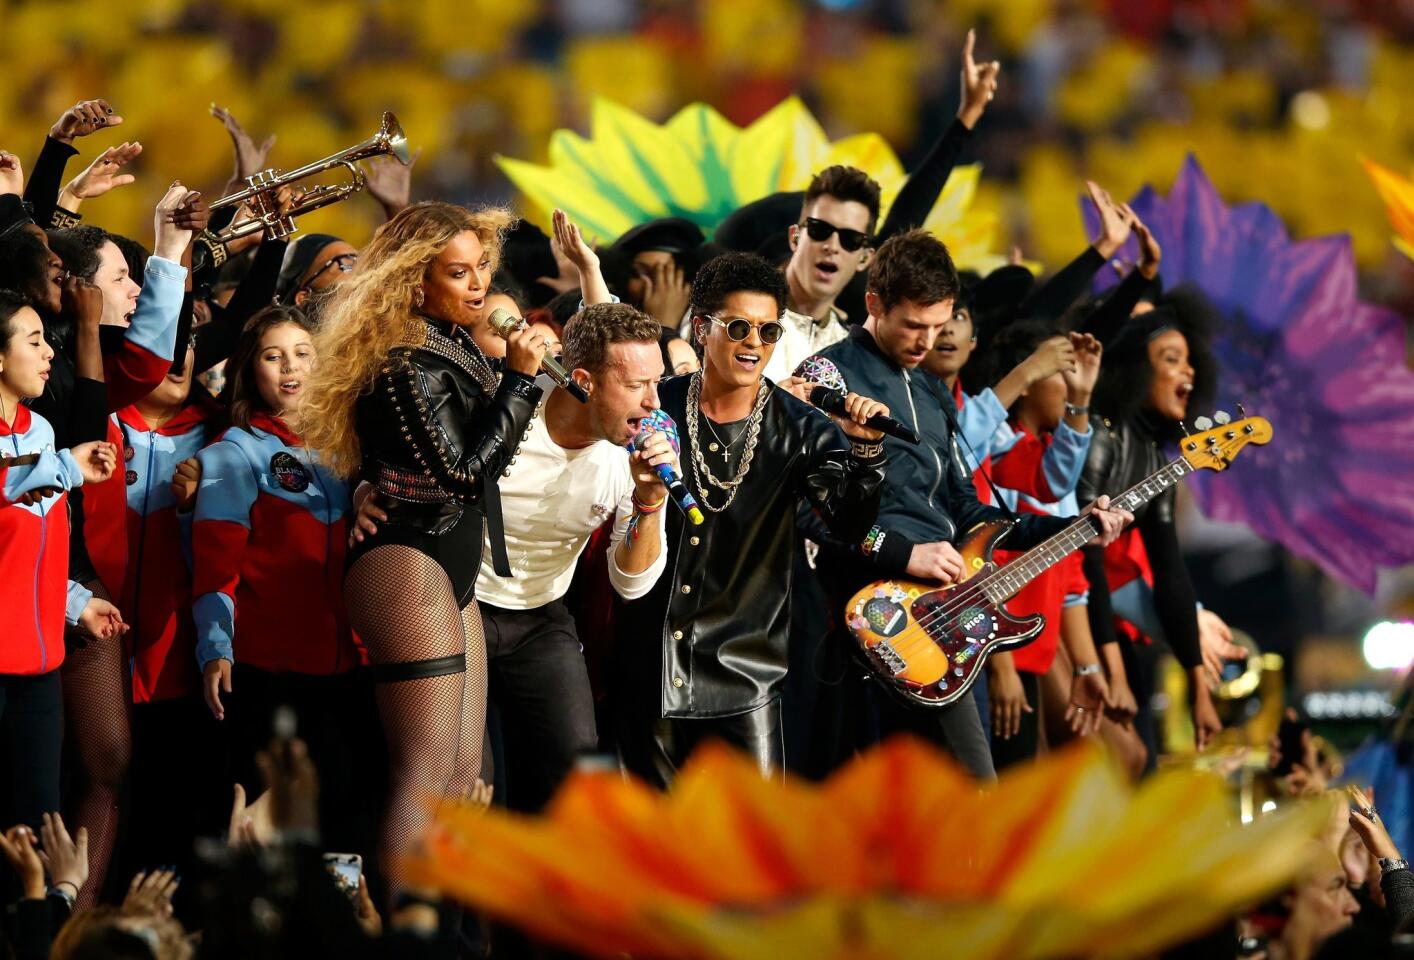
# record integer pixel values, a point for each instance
(1009, 580)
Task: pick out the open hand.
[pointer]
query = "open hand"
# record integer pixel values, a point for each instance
(65, 857)
(1116, 220)
(979, 83)
(172, 237)
(1080, 379)
(1215, 641)
(102, 175)
(390, 181)
(250, 157)
(150, 894)
(84, 118)
(1150, 253)
(666, 293)
(250, 824)
(1054, 355)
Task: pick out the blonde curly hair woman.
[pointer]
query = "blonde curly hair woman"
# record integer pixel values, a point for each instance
(405, 400)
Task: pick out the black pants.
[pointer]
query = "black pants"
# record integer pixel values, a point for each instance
(337, 719)
(31, 741)
(1024, 745)
(654, 747)
(540, 687)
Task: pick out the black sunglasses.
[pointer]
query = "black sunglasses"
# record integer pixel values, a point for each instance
(739, 328)
(820, 231)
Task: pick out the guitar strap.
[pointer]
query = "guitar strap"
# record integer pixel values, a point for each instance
(949, 406)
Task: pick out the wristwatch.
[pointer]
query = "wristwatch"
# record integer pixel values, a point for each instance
(1087, 670)
(1071, 410)
(1391, 864)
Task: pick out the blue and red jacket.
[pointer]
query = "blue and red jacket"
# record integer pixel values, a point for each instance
(131, 373)
(156, 586)
(1039, 475)
(268, 545)
(36, 596)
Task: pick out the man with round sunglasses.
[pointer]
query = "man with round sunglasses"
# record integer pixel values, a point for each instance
(704, 654)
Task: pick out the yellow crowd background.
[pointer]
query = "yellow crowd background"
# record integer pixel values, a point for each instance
(1279, 100)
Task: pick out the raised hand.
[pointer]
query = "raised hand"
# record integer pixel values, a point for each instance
(65, 857)
(81, 300)
(1116, 220)
(101, 620)
(83, 118)
(250, 157)
(250, 824)
(390, 182)
(12, 175)
(1150, 253)
(192, 214)
(100, 176)
(96, 459)
(150, 894)
(1080, 379)
(1054, 355)
(172, 237)
(17, 844)
(573, 250)
(979, 83)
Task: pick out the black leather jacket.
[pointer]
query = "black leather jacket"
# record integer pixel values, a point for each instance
(1121, 455)
(711, 637)
(437, 431)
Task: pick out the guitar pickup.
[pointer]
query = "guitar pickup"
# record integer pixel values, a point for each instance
(889, 657)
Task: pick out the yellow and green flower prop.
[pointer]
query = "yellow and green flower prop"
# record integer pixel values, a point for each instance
(701, 167)
(898, 855)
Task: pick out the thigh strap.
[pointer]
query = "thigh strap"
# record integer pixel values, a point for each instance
(418, 669)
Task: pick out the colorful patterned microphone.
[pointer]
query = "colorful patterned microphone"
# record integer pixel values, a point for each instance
(660, 422)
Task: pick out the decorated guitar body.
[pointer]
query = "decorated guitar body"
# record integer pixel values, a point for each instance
(931, 641)
(927, 644)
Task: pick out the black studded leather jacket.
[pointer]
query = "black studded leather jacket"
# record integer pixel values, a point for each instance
(437, 429)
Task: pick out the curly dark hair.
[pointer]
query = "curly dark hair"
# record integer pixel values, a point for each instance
(844, 183)
(590, 332)
(1125, 375)
(78, 247)
(915, 266)
(24, 265)
(242, 396)
(735, 272)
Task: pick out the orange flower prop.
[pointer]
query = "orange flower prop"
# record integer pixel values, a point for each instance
(1398, 195)
(899, 855)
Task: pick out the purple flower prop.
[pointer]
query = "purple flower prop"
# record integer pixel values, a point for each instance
(1297, 346)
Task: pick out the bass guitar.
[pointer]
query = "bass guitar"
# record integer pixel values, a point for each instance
(928, 643)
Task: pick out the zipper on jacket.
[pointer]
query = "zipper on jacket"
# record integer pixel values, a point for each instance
(917, 428)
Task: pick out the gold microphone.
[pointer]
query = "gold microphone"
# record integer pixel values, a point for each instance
(506, 323)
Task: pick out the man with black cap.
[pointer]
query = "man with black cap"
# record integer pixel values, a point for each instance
(313, 263)
(652, 265)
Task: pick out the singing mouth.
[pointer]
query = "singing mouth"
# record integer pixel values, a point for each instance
(291, 386)
(748, 360)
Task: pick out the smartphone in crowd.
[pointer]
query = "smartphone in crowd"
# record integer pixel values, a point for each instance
(346, 868)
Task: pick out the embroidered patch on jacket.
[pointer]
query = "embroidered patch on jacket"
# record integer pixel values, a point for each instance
(600, 511)
(289, 472)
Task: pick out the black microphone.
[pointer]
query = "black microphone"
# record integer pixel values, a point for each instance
(832, 401)
(504, 323)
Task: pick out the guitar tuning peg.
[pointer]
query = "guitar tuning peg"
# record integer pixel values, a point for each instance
(1222, 417)
(1241, 412)
(1184, 427)
(1203, 423)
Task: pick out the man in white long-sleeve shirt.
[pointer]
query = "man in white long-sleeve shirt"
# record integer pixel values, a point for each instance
(570, 476)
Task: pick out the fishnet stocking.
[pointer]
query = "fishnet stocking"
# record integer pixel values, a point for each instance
(97, 727)
(401, 604)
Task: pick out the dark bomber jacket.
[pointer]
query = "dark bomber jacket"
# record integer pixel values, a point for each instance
(710, 639)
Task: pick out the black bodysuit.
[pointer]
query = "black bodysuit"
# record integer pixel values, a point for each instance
(436, 432)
